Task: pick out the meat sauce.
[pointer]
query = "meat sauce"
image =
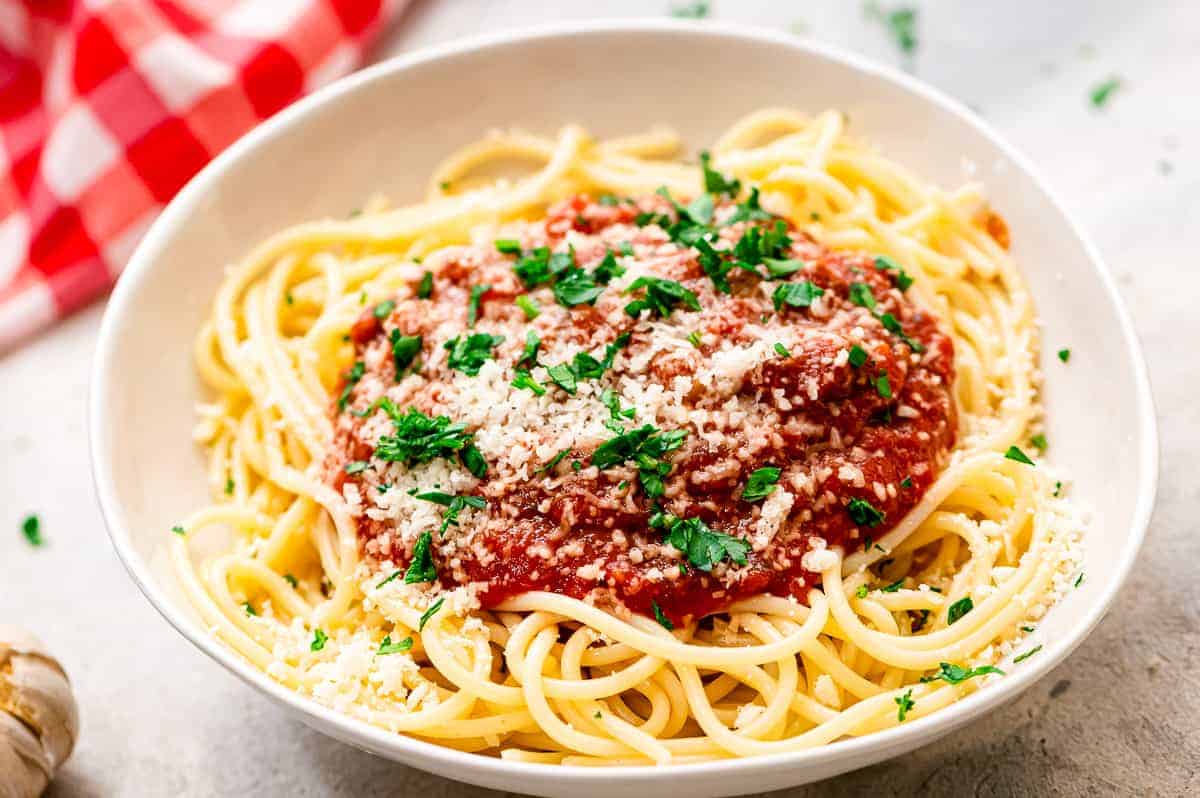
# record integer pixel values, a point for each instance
(879, 432)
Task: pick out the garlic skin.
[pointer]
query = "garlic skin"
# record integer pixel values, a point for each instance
(39, 719)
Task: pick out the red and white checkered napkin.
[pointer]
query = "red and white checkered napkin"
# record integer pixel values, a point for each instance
(107, 107)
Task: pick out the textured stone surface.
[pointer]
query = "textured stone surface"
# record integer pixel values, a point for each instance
(1119, 717)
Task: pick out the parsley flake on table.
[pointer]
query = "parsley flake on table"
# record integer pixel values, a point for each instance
(1102, 92)
(31, 529)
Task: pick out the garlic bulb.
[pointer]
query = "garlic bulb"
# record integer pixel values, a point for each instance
(39, 720)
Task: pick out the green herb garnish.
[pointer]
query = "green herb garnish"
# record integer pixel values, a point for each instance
(1027, 654)
(422, 567)
(318, 641)
(477, 292)
(704, 546)
(429, 613)
(863, 513)
(31, 528)
(388, 647)
(468, 353)
(958, 609)
(761, 484)
(662, 619)
(1014, 453)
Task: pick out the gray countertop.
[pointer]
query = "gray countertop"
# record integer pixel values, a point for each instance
(1120, 717)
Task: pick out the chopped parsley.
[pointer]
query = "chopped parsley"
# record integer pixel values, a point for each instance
(1039, 442)
(453, 504)
(882, 386)
(291, 580)
(1064, 355)
(508, 246)
(717, 183)
(662, 619)
(352, 377)
(404, 349)
(177, 529)
(857, 356)
(863, 513)
(860, 294)
(558, 458)
(425, 287)
(356, 466)
(901, 23)
(695, 339)
(958, 609)
(1103, 92)
(1027, 654)
(661, 296)
(523, 379)
(862, 591)
(1079, 579)
(31, 528)
(609, 398)
(529, 305)
(779, 267)
(388, 647)
(533, 342)
(468, 353)
(422, 567)
(906, 482)
(782, 350)
(703, 546)
(318, 641)
(797, 295)
(384, 309)
(419, 438)
(885, 264)
(748, 211)
(1014, 453)
(696, 10)
(957, 674)
(893, 587)
(429, 613)
(250, 609)
(477, 292)
(563, 377)
(892, 325)
(608, 269)
(645, 446)
(577, 287)
(1057, 489)
(229, 486)
(761, 484)
(905, 703)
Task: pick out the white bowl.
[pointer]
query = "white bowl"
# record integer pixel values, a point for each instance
(383, 129)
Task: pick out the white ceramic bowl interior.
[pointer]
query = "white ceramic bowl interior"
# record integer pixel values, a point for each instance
(383, 130)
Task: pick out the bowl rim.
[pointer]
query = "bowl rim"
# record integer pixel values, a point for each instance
(378, 740)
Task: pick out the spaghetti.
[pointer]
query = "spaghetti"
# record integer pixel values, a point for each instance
(483, 467)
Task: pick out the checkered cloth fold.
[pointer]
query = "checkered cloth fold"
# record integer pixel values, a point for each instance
(107, 107)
